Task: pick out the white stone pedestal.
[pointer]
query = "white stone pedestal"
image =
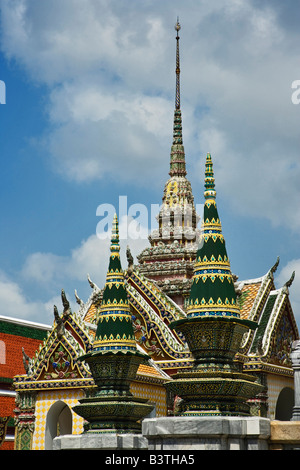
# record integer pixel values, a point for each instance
(295, 358)
(207, 433)
(94, 441)
(179, 433)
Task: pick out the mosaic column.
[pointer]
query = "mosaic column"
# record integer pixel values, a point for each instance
(295, 358)
(24, 420)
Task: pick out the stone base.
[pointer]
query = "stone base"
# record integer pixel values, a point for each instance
(191, 434)
(285, 435)
(206, 433)
(98, 441)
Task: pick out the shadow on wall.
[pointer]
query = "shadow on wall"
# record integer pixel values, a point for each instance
(285, 404)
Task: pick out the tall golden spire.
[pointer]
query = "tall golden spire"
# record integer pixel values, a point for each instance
(177, 97)
(175, 240)
(177, 163)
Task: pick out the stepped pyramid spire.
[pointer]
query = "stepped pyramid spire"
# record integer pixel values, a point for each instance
(175, 240)
(114, 329)
(212, 292)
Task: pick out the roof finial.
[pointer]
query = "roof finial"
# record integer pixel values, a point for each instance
(177, 164)
(177, 97)
(115, 234)
(210, 192)
(114, 268)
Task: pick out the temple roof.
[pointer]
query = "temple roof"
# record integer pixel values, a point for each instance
(270, 307)
(134, 309)
(72, 334)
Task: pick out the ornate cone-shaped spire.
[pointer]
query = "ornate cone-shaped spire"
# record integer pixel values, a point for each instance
(178, 197)
(213, 329)
(114, 330)
(177, 162)
(212, 291)
(114, 359)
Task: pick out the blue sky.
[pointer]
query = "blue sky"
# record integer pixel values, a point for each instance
(88, 118)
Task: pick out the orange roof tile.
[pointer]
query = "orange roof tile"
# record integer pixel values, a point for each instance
(247, 298)
(148, 370)
(91, 313)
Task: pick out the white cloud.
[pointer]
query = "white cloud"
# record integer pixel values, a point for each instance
(49, 273)
(125, 158)
(15, 303)
(91, 257)
(114, 133)
(110, 86)
(52, 272)
(57, 41)
(86, 102)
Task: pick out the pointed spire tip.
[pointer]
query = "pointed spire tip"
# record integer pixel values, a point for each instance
(115, 247)
(210, 192)
(177, 95)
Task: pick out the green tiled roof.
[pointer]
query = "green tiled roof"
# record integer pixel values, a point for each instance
(264, 321)
(15, 328)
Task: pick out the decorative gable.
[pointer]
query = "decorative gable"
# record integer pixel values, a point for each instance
(55, 362)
